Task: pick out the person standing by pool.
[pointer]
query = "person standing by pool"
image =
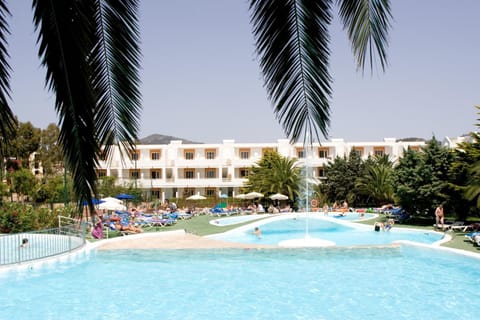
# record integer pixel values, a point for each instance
(439, 217)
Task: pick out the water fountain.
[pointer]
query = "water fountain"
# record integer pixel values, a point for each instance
(307, 241)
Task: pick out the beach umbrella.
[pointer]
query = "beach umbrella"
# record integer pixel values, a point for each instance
(196, 197)
(278, 196)
(253, 195)
(124, 196)
(111, 205)
(111, 199)
(241, 196)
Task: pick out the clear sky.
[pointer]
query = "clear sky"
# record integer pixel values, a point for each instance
(201, 80)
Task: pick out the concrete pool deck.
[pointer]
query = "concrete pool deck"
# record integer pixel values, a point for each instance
(177, 239)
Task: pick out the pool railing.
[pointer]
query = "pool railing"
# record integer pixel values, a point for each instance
(42, 243)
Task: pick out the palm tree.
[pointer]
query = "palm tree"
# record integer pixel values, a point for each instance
(275, 174)
(90, 50)
(292, 40)
(376, 183)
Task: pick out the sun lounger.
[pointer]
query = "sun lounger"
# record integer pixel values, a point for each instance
(474, 237)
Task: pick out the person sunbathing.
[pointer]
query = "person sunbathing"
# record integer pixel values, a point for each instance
(127, 228)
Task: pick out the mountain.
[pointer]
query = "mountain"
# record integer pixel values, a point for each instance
(162, 139)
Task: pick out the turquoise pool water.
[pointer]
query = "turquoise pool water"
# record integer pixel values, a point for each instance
(393, 283)
(237, 219)
(277, 229)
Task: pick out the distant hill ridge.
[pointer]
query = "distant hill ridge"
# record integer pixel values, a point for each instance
(163, 139)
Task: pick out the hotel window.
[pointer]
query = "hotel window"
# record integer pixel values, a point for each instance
(155, 154)
(156, 193)
(210, 154)
(189, 174)
(101, 173)
(210, 192)
(323, 153)
(300, 153)
(187, 192)
(210, 173)
(379, 151)
(134, 174)
(244, 173)
(156, 174)
(135, 155)
(189, 154)
(321, 172)
(414, 148)
(358, 151)
(244, 153)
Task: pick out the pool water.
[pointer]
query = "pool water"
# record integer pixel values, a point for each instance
(402, 282)
(237, 219)
(346, 233)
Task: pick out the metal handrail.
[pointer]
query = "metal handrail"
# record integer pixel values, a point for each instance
(41, 244)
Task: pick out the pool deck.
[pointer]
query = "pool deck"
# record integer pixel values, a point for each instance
(177, 239)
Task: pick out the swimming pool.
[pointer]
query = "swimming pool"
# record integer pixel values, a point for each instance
(237, 219)
(404, 282)
(342, 233)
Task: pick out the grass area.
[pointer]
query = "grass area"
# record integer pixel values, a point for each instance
(200, 225)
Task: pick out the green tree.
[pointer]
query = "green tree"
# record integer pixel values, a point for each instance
(23, 142)
(50, 152)
(376, 182)
(421, 178)
(22, 183)
(275, 174)
(341, 175)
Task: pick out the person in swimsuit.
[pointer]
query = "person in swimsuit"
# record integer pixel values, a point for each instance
(439, 217)
(127, 228)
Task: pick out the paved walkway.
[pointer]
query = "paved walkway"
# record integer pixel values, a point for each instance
(177, 239)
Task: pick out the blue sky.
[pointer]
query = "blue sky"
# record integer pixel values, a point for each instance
(201, 80)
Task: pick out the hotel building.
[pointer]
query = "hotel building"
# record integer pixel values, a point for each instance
(178, 170)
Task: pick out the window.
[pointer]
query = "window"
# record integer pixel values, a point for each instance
(134, 174)
(378, 151)
(187, 192)
(300, 153)
(155, 154)
(321, 172)
(189, 174)
(244, 173)
(156, 193)
(323, 153)
(210, 154)
(156, 174)
(358, 151)
(414, 148)
(101, 173)
(210, 192)
(210, 173)
(189, 154)
(135, 155)
(244, 153)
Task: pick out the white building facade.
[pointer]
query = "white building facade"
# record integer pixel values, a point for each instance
(178, 170)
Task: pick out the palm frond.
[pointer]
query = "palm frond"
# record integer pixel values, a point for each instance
(292, 41)
(368, 23)
(66, 37)
(115, 61)
(7, 122)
